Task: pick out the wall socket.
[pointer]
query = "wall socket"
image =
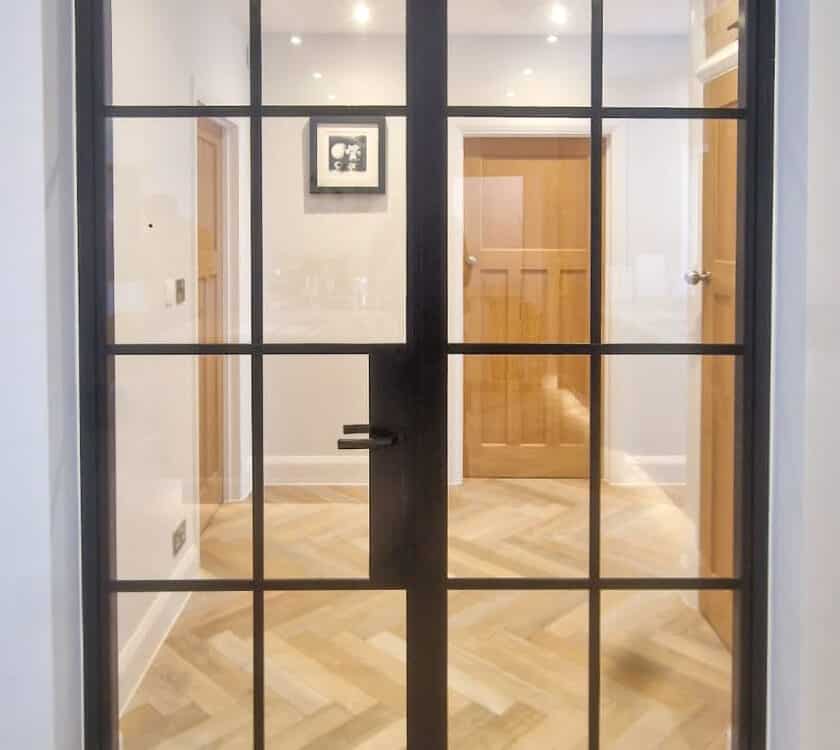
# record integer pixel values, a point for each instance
(179, 538)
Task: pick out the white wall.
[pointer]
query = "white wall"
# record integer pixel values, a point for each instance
(804, 606)
(334, 265)
(170, 53)
(40, 664)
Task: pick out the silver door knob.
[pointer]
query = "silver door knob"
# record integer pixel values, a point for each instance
(471, 260)
(696, 277)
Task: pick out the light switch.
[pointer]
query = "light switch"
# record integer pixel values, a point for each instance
(175, 292)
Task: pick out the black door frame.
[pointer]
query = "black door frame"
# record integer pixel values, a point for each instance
(418, 370)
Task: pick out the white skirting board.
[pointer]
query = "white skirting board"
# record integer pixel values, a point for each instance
(139, 651)
(347, 469)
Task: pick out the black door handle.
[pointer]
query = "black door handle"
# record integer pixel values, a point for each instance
(377, 439)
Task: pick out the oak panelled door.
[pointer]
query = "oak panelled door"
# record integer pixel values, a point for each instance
(408, 418)
(526, 244)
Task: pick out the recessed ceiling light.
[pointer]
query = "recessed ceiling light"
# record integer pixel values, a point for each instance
(317, 76)
(361, 13)
(528, 72)
(551, 39)
(295, 41)
(331, 97)
(559, 14)
(510, 93)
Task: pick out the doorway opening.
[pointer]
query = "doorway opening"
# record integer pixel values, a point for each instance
(410, 418)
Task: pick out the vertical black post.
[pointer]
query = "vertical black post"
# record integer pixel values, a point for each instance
(595, 367)
(257, 389)
(95, 275)
(754, 327)
(426, 450)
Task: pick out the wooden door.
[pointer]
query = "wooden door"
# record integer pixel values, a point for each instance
(717, 507)
(210, 316)
(526, 240)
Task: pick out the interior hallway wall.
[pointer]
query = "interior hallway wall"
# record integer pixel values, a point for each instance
(188, 52)
(805, 522)
(40, 663)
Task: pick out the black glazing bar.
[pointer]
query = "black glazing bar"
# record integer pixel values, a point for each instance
(426, 449)
(159, 112)
(325, 110)
(599, 349)
(163, 111)
(673, 113)
(453, 584)
(257, 385)
(95, 385)
(127, 350)
(248, 584)
(763, 112)
(614, 113)
(595, 364)
(246, 349)
(152, 111)
(501, 111)
(758, 22)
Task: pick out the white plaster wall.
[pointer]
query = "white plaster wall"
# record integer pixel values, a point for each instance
(40, 662)
(334, 265)
(168, 53)
(804, 607)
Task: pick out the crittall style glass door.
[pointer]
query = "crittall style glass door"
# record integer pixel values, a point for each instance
(424, 354)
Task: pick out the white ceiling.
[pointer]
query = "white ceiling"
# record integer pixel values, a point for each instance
(480, 17)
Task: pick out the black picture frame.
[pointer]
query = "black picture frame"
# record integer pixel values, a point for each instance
(315, 183)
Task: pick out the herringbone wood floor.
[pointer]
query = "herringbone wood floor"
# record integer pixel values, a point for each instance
(335, 661)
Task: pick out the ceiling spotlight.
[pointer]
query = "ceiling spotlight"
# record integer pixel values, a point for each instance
(559, 14)
(361, 13)
(528, 72)
(295, 41)
(317, 76)
(551, 39)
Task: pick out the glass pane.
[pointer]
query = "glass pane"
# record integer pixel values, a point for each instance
(183, 52)
(519, 222)
(518, 669)
(182, 433)
(666, 669)
(316, 497)
(670, 212)
(334, 262)
(662, 53)
(181, 230)
(528, 53)
(668, 493)
(333, 52)
(335, 670)
(185, 670)
(519, 466)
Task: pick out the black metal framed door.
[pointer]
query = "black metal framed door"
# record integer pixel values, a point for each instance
(408, 380)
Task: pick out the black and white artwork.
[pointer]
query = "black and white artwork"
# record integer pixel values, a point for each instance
(347, 155)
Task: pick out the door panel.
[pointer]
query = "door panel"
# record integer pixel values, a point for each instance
(526, 225)
(720, 186)
(210, 228)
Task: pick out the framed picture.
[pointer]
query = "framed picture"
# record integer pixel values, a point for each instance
(347, 155)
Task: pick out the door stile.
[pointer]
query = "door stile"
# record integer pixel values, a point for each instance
(426, 312)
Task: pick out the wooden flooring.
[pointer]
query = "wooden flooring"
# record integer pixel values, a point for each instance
(335, 661)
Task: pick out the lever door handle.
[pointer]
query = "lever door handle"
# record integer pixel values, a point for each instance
(377, 439)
